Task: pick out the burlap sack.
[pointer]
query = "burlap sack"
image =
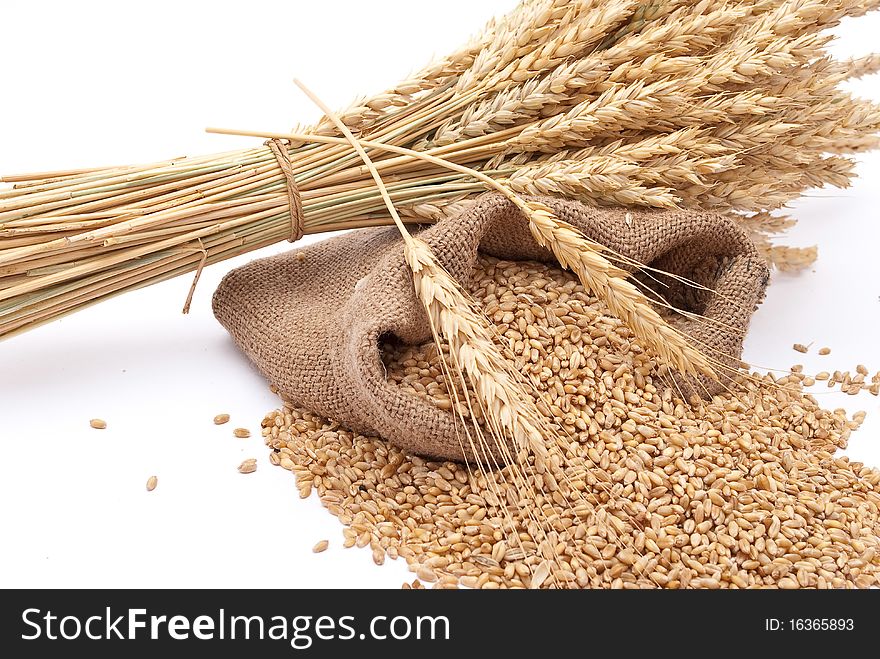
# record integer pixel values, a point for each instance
(312, 321)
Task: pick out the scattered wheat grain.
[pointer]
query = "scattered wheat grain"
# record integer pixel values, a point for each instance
(740, 491)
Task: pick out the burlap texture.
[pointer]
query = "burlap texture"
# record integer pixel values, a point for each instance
(312, 322)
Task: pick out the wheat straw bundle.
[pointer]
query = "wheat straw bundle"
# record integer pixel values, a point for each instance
(709, 104)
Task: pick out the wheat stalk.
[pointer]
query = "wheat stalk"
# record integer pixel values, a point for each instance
(507, 408)
(510, 411)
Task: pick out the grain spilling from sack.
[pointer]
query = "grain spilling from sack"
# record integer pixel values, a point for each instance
(742, 490)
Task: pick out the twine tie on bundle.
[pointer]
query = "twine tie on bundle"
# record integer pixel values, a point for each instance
(279, 150)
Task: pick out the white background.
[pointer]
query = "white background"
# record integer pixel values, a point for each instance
(89, 84)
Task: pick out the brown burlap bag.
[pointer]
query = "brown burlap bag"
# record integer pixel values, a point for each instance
(312, 319)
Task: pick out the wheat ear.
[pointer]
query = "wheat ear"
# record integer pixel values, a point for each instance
(510, 412)
(507, 407)
(624, 300)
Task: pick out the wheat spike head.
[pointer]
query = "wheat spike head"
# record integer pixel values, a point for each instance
(581, 256)
(508, 409)
(510, 412)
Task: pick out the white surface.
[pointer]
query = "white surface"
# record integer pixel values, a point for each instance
(96, 84)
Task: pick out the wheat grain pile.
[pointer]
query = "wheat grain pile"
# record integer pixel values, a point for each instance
(643, 490)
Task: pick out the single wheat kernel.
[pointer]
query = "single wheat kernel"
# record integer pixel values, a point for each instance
(321, 546)
(248, 466)
(824, 351)
(823, 375)
(98, 424)
(220, 419)
(241, 433)
(152, 481)
(426, 574)
(800, 347)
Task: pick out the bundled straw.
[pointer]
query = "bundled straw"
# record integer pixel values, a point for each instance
(731, 106)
